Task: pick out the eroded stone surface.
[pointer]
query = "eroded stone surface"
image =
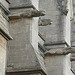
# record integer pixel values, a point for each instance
(3, 44)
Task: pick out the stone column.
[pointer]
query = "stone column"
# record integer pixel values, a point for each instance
(4, 34)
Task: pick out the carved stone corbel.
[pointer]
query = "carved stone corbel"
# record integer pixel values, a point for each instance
(45, 22)
(26, 14)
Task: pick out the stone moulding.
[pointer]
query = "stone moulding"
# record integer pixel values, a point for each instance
(22, 6)
(4, 8)
(55, 43)
(8, 1)
(41, 47)
(27, 14)
(60, 51)
(73, 57)
(41, 36)
(28, 72)
(73, 71)
(5, 35)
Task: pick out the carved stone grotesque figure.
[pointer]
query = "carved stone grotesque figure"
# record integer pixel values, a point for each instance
(62, 6)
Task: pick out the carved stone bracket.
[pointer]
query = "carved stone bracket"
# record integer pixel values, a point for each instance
(62, 6)
(27, 14)
(45, 22)
(60, 51)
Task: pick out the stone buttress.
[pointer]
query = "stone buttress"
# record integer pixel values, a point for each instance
(23, 55)
(57, 36)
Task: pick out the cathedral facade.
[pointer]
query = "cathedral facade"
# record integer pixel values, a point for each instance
(37, 37)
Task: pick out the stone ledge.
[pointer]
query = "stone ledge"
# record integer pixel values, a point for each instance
(60, 51)
(5, 34)
(55, 43)
(26, 72)
(40, 35)
(73, 71)
(41, 47)
(8, 1)
(26, 14)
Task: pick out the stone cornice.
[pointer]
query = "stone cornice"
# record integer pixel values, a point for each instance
(60, 51)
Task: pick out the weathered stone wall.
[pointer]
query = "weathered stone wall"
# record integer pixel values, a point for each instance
(67, 26)
(73, 26)
(53, 32)
(23, 52)
(19, 3)
(58, 65)
(3, 43)
(20, 47)
(73, 36)
(59, 30)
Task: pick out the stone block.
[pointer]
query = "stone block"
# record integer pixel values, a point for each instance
(23, 54)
